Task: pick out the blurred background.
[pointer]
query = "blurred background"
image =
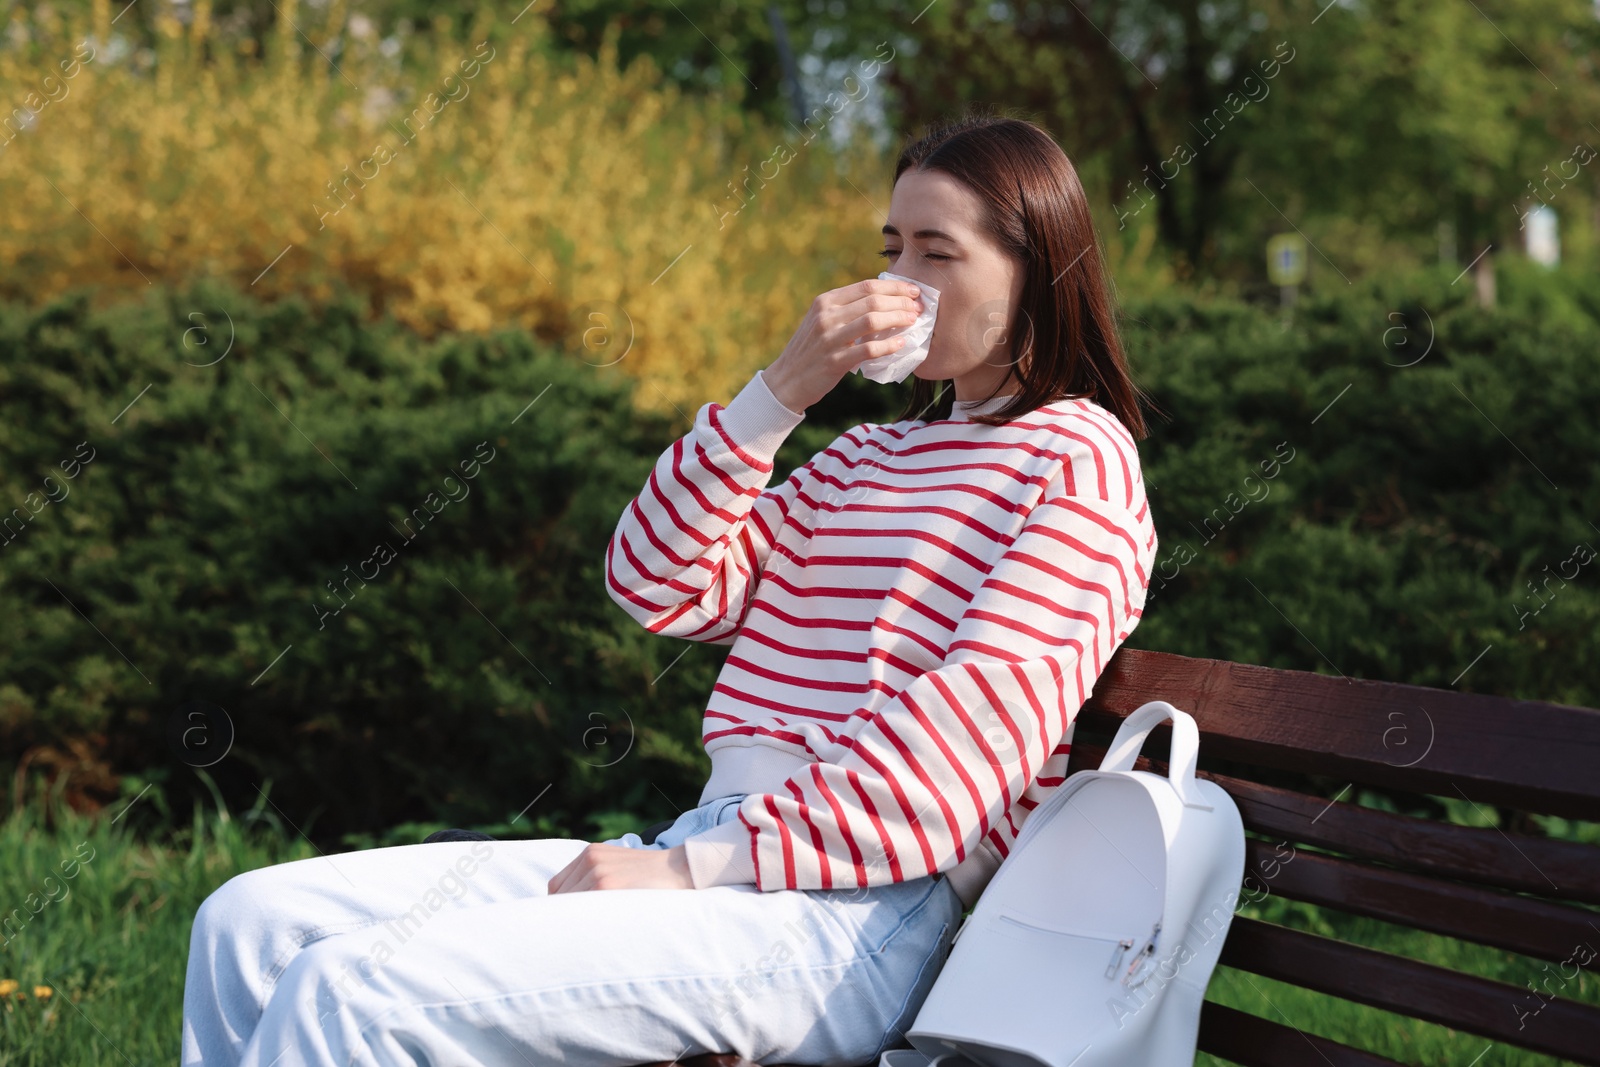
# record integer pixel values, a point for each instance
(272, 272)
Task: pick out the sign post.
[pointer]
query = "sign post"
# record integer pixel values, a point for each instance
(1286, 264)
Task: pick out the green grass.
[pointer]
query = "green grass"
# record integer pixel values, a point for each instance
(111, 933)
(114, 941)
(1398, 1037)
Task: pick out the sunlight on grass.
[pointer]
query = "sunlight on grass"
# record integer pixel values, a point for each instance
(96, 941)
(100, 921)
(1388, 1034)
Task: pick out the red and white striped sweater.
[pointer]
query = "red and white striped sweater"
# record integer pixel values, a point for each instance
(916, 615)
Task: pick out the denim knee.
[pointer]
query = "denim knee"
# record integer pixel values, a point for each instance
(231, 909)
(329, 973)
(316, 1003)
(259, 918)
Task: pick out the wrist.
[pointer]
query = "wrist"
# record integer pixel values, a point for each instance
(782, 389)
(753, 424)
(678, 864)
(722, 855)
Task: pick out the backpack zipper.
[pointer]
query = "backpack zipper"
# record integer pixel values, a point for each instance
(1141, 957)
(1117, 953)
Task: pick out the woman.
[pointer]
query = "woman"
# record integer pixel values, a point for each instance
(915, 615)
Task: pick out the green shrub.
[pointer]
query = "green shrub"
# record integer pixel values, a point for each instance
(1439, 458)
(1429, 460)
(192, 557)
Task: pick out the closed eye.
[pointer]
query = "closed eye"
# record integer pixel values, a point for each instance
(886, 253)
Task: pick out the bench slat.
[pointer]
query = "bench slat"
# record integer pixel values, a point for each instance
(1251, 1041)
(1556, 1026)
(1522, 924)
(1563, 870)
(1526, 754)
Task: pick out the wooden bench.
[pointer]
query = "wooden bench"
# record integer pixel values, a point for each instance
(1263, 730)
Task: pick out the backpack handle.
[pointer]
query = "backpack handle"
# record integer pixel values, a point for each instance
(1124, 748)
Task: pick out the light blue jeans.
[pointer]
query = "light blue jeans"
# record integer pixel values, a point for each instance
(452, 954)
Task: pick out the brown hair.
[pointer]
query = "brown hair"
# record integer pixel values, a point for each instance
(1064, 336)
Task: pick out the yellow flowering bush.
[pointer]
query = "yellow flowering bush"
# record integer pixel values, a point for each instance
(453, 186)
(471, 187)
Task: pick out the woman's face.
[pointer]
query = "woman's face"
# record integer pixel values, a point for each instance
(933, 235)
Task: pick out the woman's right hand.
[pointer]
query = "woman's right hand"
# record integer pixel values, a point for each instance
(824, 348)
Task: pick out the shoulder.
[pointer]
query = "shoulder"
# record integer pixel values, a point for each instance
(1099, 457)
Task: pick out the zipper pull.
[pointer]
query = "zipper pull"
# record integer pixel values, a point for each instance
(1117, 952)
(1143, 955)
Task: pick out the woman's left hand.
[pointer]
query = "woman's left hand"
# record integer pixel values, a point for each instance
(603, 866)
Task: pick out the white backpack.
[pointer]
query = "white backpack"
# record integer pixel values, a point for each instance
(1093, 943)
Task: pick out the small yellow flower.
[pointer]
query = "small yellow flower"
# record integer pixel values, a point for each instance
(43, 992)
(8, 986)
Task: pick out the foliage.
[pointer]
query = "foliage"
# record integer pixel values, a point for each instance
(221, 514)
(1427, 481)
(1366, 126)
(728, 49)
(1435, 479)
(1385, 133)
(471, 187)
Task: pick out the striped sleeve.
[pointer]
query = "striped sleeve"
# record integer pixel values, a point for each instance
(686, 553)
(913, 788)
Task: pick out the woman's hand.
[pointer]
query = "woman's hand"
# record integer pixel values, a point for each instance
(824, 349)
(603, 866)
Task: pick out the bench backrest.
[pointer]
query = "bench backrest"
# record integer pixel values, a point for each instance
(1509, 888)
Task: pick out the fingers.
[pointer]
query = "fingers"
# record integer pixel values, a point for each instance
(558, 879)
(882, 294)
(872, 294)
(878, 305)
(888, 285)
(874, 321)
(569, 878)
(837, 334)
(873, 349)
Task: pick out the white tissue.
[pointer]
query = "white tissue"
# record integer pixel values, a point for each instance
(895, 366)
